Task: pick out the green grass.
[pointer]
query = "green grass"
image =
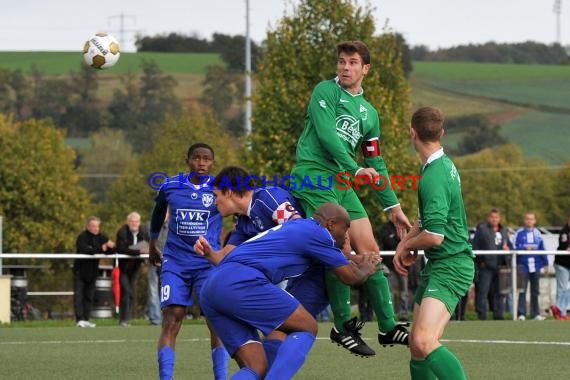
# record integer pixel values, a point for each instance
(488, 350)
(538, 86)
(62, 63)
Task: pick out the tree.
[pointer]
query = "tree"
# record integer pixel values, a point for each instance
(43, 204)
(110, 154)
(135, 189)
(300, 52)
(136, 108)
(502, 178)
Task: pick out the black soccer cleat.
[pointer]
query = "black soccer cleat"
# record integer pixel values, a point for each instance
(351, 339)
(398, 335)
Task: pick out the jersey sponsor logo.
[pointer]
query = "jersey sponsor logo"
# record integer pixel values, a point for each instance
(323, 104)
(191, 222)
(207, 199)
(348, 129)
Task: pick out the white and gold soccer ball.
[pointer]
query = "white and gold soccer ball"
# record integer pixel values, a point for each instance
(101, 51)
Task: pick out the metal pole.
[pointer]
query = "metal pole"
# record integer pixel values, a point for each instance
(514, 284)
(1, 245)
(247, 72)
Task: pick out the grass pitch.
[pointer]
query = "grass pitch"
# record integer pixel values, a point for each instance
(487, 349)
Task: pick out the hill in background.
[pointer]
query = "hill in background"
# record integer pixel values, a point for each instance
(528, 102)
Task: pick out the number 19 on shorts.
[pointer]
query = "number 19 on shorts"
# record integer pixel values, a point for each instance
(164, 293)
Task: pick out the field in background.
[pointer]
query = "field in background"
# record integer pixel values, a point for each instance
(530, 102)
(488, 350)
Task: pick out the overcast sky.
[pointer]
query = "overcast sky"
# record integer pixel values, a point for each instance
(64, 25)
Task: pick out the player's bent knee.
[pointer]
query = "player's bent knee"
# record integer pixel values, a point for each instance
(422, 344)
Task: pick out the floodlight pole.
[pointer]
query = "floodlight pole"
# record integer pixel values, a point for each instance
(558, 11)
(247, 71)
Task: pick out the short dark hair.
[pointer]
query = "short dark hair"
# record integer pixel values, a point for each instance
(494, 211)
(198, 146)
(234, 178)
(428, 123)
(351, 47)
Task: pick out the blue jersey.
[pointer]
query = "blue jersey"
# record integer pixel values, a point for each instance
(288, 250)
(192, 214)
(269, 207)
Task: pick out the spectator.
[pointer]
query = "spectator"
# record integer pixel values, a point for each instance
(490, 236)
(85, 271)
(529, 266)
(562, 267)
(153, 277)
(132, 240)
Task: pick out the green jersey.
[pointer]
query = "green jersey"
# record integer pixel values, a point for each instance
(441, 209)
(337, 123)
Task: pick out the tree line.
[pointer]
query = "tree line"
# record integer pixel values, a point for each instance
(528, 52)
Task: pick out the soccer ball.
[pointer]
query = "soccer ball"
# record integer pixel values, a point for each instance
(101, 51)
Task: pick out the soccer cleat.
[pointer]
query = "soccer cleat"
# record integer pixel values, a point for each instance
(555, 311)
(351, 339)
(539, 318)
(398, 335)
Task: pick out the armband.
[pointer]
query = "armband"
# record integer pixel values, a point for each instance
(371, 148)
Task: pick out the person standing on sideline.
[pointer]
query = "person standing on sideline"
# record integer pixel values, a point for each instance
(90, 242)
(130, 234)
(241, 296)
(441, 231)
(153, 278)
(562, 268)
(339, 121)
(529, 266)
(490, 236)
(193, 213)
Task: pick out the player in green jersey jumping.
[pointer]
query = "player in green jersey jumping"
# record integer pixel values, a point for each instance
(442, 232)
(339, 121)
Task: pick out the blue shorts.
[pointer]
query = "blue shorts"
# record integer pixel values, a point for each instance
(177, 284)
(238, 300)
(310, 290)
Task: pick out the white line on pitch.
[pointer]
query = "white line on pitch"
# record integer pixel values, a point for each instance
(505, 342)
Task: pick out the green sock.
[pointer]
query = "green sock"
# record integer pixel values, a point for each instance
(420, 370)
(445, 364)
(339, 298)
(378, 291)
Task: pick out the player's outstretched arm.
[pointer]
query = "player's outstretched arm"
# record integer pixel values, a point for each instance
(400, 220)
(356, 274)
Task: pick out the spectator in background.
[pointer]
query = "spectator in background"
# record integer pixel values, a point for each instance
(131, 239)
(562, 267)
(153, 297)
(529, 266)
(389, 240)
(490, 236)
(85, 271)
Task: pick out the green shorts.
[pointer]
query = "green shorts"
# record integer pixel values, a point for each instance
(446, 280)
(314, 187)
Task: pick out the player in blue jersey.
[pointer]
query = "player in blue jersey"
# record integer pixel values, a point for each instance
(192, 214)
(257, 210)
(240, 296)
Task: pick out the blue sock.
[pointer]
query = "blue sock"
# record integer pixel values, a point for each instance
(291, 356)
(220, 359)
(166, 357)
(271, 346)
(245, 374)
